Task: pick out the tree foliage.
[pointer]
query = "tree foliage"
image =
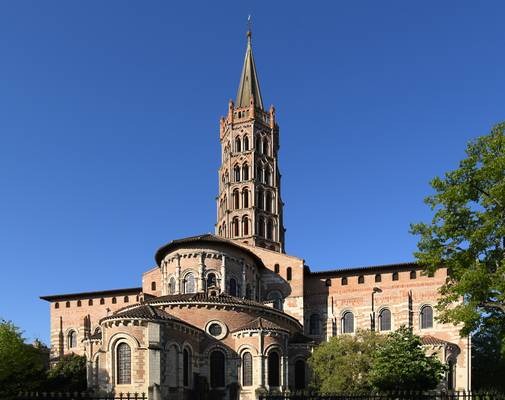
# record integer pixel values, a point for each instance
(22, 366)
(467, 235)
(401, 363)
(69, 374)
(342, 364)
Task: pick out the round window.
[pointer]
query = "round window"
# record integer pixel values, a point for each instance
(215, 329)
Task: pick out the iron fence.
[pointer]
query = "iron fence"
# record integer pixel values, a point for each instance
(80, 396)
(459, 395)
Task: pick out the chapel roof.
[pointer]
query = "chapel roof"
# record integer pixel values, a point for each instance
(207, 238)
(434, 341)
(144, 311)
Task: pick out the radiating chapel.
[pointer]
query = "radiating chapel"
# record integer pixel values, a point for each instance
(230, 314)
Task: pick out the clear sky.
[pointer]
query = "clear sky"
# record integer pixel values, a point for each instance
(109, 125)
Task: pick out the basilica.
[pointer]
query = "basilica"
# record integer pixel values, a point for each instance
(230, 315)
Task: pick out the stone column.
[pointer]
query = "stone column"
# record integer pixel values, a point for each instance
(261, 359)
(223, 273)
(178, 274)
(200, 284)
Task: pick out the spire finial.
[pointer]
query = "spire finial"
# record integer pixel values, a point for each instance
(249, 29)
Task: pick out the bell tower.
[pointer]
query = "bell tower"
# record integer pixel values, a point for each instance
(249, 205)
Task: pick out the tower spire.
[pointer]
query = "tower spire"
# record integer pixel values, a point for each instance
(249, 87)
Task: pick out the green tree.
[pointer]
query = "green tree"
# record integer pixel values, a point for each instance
(68, 375)
(401, 363)
(467, 235)
(342, 363)
(488, 359)
(22, 366)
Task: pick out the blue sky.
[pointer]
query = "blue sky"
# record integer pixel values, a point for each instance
(109, 128)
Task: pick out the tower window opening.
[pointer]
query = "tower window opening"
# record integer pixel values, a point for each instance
(268, 176)
(270, 229)
(246, 143)
(268, 202)
(245, 198)
(236, 199)
(245, 172)
(261, 199)
(238, 148)
(261, 226)
(237, 173)
(236, 227)
(245, 226)
(266, 148)
(258, 145)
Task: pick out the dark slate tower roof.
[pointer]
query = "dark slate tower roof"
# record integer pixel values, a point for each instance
(249, 84)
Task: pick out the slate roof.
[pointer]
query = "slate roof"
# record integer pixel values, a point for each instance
(205, 238)
(145, 311)
(260, 324)
(203, 297)
(249, 85)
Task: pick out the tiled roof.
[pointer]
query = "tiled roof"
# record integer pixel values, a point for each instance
(142, 312)
(260, 324)
(347, 270)
(203, 297)
(206, 238)
(100, 293)
(96, 336)
(433, 341)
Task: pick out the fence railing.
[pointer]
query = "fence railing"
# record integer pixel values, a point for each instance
(80, 396)
(460, 395)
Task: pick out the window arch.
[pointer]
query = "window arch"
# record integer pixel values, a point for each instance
(266, 147)
(378, 278)
(245, 172)
(236, 227)
(102, 301)
(245, 226)
(233, 287)
(395, 276)
(261, 199)
(314, 324)
(245, 198)
(79, 303)
(426, 317)
(413, 274)
(67, 304)
(126, 299)
(385, 320)
(289, 273)
(236, 173)
(277, 268)
(247, 369)
(258, 145)
(246, 143)
(189, 283)
(270, 229)
(268, 176)
(361, 279)
(299, 375)
(224, 229)
(90, 302)
(236, 199)
(56, 305)
(344, 281)
(217, 369)
(211, 280)
(268, 202)
(171, 286)
(173, 366)
(123, 363)
(238, 147)
(348, 322)
(261, 226)
(72, 339)
(274, 370)
(186, 366)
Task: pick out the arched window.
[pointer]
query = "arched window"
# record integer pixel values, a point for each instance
(314, 325)
(268, 176)
(266, 147)
(378, 278)
(274, 370)
(247, 369)
(426, 317)
(361, 279)
(289, 273)
(224, 229)
(236, 227)
(67, 304)
(259, 173)
(246, 143)
(300, 375)
(189, 283)
(217, 369)
(258, 145)
(277, 298)
(245, 198)
(413, 275)
(173, 366)
(344, 281)
(56, 305)
(238, 148)
(211, 280)
(171, 286)
(233, 287)
(270, 229)
(395, 276)
(245, 226)
(123, 364)
(236, 199)
(261, 226)
(268, 202)
(72, 339)
(385, 320)
(186, 366)
(114, 300)
(153, 285)
(236, 173)
(79, 303)
(327, 282)
(245, 172)
(126, 299)
(261, 199)
(90, 302)
(102, 301)
(348, 322)
(277, 268)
